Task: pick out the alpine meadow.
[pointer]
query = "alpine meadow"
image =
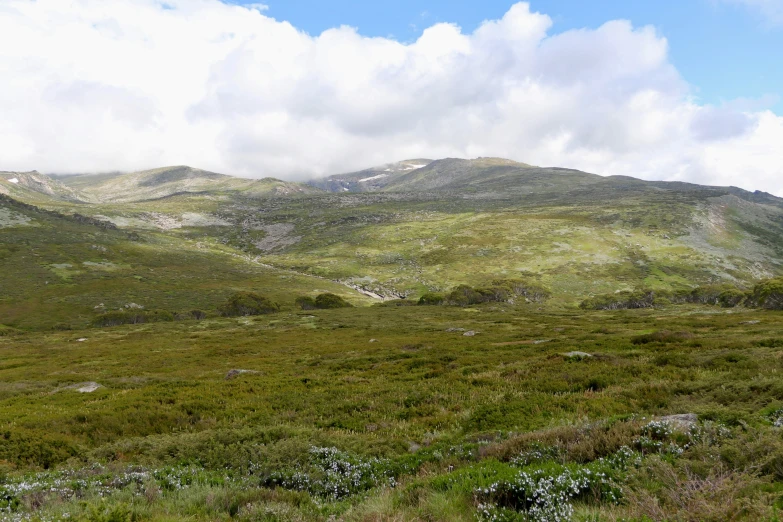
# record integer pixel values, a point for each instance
(420, 261)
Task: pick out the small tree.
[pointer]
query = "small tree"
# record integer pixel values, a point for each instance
(247, 303)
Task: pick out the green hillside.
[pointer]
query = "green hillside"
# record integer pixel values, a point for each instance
(62, 270)
(462, 221)
(177, 344)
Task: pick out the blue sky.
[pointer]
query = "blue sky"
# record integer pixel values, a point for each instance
(724, 49)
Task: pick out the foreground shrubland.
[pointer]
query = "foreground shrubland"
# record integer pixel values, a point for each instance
(394, 413)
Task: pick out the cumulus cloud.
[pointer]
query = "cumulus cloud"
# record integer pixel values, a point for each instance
(131, 84)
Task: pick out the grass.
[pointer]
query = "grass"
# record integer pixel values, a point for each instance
(416, 406)
(389, 412)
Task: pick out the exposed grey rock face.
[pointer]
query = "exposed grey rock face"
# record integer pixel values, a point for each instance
(233, 374)
(681, 421)
(578, 355)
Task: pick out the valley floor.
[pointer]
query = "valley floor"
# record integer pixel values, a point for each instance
(496, 412)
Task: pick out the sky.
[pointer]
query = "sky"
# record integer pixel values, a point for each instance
(688, 90)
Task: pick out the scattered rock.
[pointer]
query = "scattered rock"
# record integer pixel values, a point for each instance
(559, 329)
(373, 340)
(578, 355)
(455, 329)
(81, 339)
(469, 333)
(539, 341)
(84, 387)
(233, 374)
(681, 421)
(750, 322)
(413, 447)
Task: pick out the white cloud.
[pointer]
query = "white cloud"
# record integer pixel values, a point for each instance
(770, 10)
(127, 84)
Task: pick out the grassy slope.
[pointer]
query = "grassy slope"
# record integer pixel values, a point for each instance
(56, 270)
(593, 240)
(448, 412)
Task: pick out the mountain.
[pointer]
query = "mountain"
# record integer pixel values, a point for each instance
(369, 180)
(492, 177)
(415, 226)
(167, 181)
(34, 186)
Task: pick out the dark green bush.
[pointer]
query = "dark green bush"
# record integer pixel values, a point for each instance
(431, 299)
(247, 303)
(499, 291)
(662, 336)
(622, 300)
(198, 315)
(305, 302)
(327, 300)
(118, 317)
(768, 294)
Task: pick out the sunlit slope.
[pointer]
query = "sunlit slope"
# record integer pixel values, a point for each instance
(61, 269)
(163, 182)
(468, 221)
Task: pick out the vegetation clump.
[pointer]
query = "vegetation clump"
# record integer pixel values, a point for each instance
(305, 302)
(768, 294)
(499, 291)
(132, 316)
(662, 336)
(329, 300)
(431, 298)
(321, 302)
(620, 301)
(247, 303)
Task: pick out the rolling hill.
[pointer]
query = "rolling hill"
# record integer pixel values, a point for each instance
(61, 270)
(164, 182)
(416, 226)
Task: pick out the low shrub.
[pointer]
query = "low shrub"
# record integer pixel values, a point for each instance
(197, 315)
(768, 294)
(620, 301)
(328, 300)
(305, 302)
(431, 299)
(332, 474)
(247, 303)
(662, 336)
(499, 291)
(119, 317)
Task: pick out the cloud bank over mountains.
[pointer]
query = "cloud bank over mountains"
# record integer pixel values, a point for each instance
(92, 86)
